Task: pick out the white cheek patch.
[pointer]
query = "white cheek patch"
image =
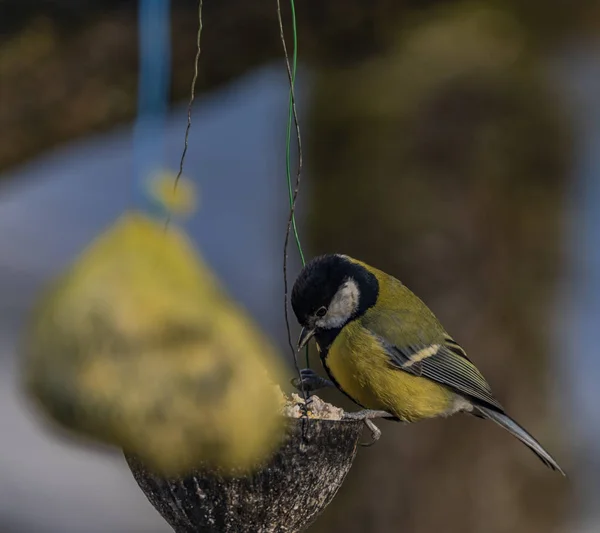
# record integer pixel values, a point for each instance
(342, 306)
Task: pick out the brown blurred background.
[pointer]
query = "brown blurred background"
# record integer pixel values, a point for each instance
(452, 144)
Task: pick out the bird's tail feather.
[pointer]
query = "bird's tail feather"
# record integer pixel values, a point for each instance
(520, 433)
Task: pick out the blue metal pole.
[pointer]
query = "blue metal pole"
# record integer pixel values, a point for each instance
(153, 93)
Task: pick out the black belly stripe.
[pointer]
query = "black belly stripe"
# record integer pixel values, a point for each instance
(324, 352)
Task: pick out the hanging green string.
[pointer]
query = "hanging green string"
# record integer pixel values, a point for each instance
(289, 145)
(292, 190)
(289, 131)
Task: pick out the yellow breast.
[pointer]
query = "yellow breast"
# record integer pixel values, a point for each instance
(361, 366)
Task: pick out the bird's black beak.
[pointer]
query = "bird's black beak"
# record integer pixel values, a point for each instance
(305, 335)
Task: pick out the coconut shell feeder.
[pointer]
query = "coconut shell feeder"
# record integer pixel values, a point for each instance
(285, 495)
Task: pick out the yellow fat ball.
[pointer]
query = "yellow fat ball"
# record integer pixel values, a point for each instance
(138, 346)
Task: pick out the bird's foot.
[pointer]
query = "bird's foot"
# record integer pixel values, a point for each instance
(375, 433)
(310, 381)
(367, 416)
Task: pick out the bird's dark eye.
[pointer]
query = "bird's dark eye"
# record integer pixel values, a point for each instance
(321, 312)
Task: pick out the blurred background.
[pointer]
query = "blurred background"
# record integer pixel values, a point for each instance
(455, 145)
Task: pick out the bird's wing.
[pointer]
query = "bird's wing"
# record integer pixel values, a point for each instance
(444, 362)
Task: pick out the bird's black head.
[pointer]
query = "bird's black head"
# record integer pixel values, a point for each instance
(330, 291)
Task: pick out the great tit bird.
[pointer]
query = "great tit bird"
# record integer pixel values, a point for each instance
(383, 348)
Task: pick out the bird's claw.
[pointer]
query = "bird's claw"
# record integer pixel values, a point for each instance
(310, 381)
(375, 433)
(367, 416)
